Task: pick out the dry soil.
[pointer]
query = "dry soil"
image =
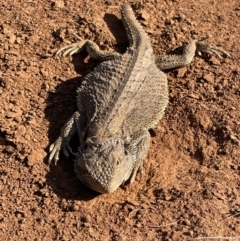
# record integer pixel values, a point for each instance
(191, 185)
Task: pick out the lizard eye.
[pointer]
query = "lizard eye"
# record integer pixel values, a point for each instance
(118, 162)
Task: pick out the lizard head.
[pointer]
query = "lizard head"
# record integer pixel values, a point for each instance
(104, 167)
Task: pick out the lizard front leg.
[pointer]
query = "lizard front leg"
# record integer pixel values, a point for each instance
(72, 126)
(140, 145)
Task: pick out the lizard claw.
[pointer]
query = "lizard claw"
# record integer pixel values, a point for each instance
(211, 49)
(137, 168)
(72, 48)
(55, 149)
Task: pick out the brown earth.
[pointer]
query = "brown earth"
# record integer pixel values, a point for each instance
(192, 172)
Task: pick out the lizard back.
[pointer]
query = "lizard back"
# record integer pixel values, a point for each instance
(115, 95)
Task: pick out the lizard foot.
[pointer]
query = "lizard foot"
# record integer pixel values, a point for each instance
(62, 142)
(210, 49)
(137, 168)
(72, 48)
(56, 147)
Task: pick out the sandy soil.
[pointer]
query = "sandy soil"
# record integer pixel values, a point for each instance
(192, 172)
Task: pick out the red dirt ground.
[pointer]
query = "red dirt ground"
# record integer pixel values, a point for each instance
(192, 172)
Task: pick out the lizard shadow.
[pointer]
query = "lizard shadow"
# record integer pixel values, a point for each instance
(116, 27)
(61, 104)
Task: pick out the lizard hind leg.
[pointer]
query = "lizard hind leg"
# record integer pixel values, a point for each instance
(91, 47)
(189, 51)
